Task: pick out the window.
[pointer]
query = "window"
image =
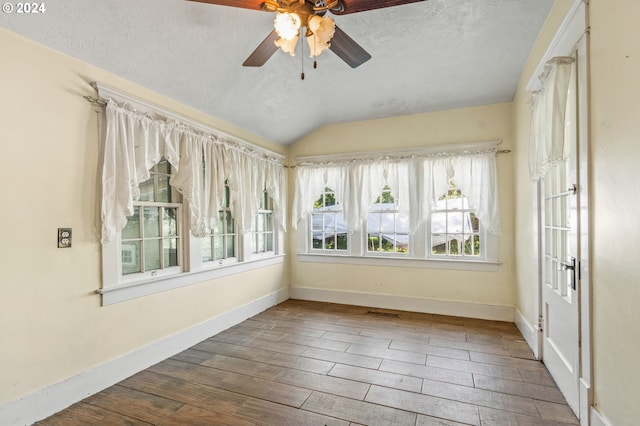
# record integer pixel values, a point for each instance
(455, 229)
(150, 242)
(220, 244)
(165, 242)
(263, 241)
(435, 207)
(387, 232)
(328, 230)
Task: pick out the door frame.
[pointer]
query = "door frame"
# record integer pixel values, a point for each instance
(573, 34)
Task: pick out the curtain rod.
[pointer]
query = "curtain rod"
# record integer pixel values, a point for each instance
(100, 102)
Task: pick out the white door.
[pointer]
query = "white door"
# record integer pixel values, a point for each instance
(560, 269)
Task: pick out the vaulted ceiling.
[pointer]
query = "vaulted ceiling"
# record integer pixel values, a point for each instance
(426, 56)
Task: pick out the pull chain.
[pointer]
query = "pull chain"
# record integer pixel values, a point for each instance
(315, 43)
(302, 58)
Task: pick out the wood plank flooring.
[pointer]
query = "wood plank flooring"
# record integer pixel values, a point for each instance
(311, 363)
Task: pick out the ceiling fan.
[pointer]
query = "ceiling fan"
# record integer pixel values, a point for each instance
(321, 31)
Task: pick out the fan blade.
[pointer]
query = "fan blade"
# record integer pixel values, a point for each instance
(263, 52)
(347, 49)
(244, 4)
(353, 6)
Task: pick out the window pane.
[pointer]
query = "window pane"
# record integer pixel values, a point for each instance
(230, 246)
(151, 222)
(164, 191)
(317, 223)
(342, 241)
(373, 242)
(438, 223)
(438, 244)
(146, 190)
(317, 242)
(169, 224)
(229, 225)
(402, 243)
(387, 222)
(170, 246)
(219, 228)
(454, 248)
(454, 222)
(218, 248)
(259, 243)
(152, 254)
(269, 242)
(131, 257)
(268, 222)
(163, 167)
(132, 228)
(206, 250)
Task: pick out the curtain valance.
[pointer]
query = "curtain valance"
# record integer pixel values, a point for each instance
(548, 106)
(201, 163)
(416, 182)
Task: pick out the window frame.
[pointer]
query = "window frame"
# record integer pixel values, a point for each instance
(225, 209)
(265, 209)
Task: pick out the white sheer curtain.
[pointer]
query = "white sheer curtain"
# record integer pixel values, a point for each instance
(311, 180)
(416, 183)
(201, 164)
(548, 106)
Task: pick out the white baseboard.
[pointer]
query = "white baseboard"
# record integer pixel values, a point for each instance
(529, 332)
(404, 303)
(54, 398)
(597, 419)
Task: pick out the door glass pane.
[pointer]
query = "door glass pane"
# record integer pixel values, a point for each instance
(151, 222)
(131, 257)
(152, 254)
(132, 228)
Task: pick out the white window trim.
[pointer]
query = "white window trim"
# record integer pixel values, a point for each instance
(127, 291)
(119, 288)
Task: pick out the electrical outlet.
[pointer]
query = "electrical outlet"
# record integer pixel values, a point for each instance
(64, 237)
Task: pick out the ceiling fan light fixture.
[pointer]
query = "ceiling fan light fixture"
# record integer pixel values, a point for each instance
(287, 25)
(288, 46)
(323, 30)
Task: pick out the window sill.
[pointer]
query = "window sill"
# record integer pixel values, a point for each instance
(452, 264)
(131, 290)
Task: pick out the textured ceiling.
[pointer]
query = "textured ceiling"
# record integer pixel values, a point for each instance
(426, 56)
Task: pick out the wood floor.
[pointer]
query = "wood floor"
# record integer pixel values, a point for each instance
(310, 363)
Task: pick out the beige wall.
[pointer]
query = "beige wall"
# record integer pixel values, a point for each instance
(615, 150)
(51, 323)
(464, 125)
(615, 198)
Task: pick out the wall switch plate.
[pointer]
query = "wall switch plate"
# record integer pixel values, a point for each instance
(64, 237)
